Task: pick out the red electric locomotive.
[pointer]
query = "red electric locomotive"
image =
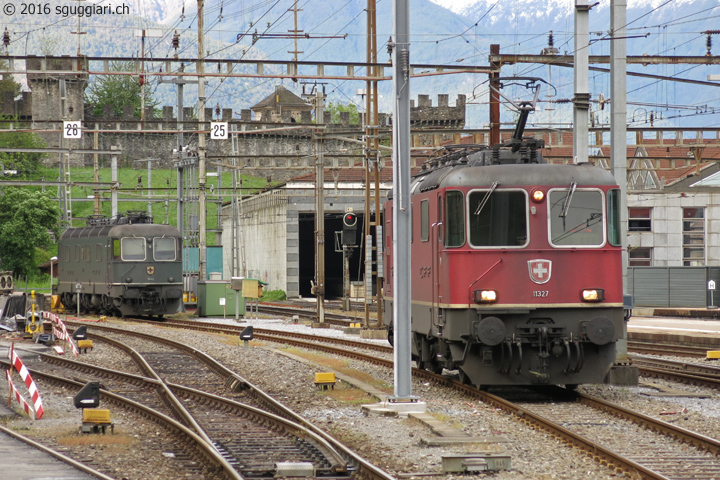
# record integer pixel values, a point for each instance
(516, 269)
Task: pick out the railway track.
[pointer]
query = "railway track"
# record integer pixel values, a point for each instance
(575, 421)
(652, 348)
(253, 433)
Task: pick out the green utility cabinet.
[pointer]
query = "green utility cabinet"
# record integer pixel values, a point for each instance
(211, 296)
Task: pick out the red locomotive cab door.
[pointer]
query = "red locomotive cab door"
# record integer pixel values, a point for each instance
(436, 246)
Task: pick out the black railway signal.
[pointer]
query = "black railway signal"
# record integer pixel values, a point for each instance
(349, 231)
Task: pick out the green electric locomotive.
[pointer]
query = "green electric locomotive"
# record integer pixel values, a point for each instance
(121, 266)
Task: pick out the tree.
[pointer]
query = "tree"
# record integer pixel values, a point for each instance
(7, 82)
(119, 90)
(333, 110)
(26, 220)
(26, 164)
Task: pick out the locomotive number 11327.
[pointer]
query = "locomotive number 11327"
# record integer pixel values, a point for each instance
(540, 293)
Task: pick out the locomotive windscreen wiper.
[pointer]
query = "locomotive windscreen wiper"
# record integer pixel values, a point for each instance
(486, 198)
(566, 203)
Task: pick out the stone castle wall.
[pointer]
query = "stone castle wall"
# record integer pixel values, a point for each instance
(59, 97)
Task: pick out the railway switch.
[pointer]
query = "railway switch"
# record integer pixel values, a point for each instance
(294, 469)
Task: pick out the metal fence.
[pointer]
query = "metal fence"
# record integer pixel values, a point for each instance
(677, 287)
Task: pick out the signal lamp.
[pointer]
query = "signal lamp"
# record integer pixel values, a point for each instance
(593, 295)
(537, 196)
(349, 231)
(349, 220)
(247, 333)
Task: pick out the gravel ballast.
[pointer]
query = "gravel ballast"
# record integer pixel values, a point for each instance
(394, 444)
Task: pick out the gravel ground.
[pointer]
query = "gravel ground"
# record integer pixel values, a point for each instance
(394, 444)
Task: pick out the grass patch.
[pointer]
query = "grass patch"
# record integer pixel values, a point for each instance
(447, 419)
(274, 296)
(341, 365)
(112, 442)
(347, 394)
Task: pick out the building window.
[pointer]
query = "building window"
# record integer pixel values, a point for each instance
(640, 257)
(694, 237)
(640, 219)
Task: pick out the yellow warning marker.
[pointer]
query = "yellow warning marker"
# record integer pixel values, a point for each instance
(95, 420)
(325, 380)
(712, 354)
(83, 345)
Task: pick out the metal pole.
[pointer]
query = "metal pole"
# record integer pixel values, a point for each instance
(346, 278)
(149, 185)
(581, 100)
(618, 133)
(113, 193)
(202, 214)
(494, 99)
(320, 231)
(401, 198)
(96, 169)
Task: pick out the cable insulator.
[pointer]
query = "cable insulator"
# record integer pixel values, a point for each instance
(405, 62)
(6, 38)
(708, 42)
(551, 41)
(176, 40)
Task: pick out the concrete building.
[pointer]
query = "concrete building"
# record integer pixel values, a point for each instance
(276, 231)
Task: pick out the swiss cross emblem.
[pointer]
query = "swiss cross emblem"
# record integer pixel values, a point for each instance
(539, 270)
(150, 270)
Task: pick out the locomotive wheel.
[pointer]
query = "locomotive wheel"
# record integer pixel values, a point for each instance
(464, 379)
(430, 366)
(435, 367)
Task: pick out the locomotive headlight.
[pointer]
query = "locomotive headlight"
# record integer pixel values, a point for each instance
(171, 279)
(128, 280)
(593, 295)
(485, 296)
(537, 196)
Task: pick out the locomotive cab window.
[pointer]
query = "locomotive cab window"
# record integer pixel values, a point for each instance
(576, 217)
(424, 221)
(132, 248)
(613, 208)
(164, 249)
(454, 219)
(497, 218)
